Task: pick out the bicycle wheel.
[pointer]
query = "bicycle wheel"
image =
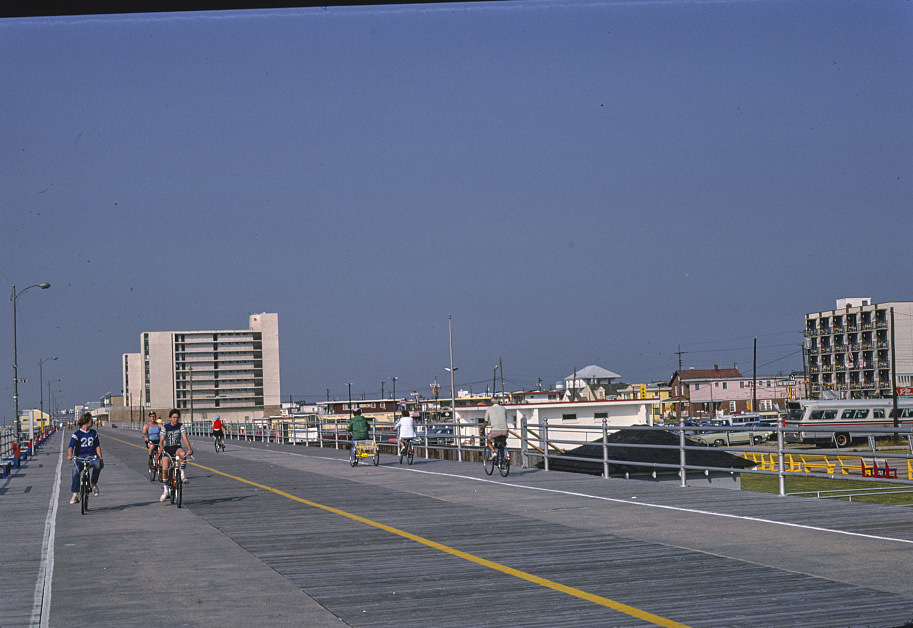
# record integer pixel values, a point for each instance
(488, 461)
(179, 489)
(152, 468)
(376, 456)
(411, 454)
(504, 462)
(215, 442)
(353, 456)
(174, 483)
(402, 453)
(84, 491)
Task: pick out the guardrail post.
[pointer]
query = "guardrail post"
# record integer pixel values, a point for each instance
(781, 477)
(459, 441)
(524, 448)
(681, 445)
(605, 448)
(545, 443)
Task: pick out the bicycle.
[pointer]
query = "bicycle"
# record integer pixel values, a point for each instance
(219, 442)
(175, 478)
(154, 465)
(407, 451)
(500, 459)
(364, 449)
(85, 481)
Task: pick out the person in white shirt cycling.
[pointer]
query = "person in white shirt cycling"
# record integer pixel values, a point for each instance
(496, 418)
(406, 427)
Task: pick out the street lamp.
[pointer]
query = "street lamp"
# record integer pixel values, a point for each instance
(13, 296)
(41, 390)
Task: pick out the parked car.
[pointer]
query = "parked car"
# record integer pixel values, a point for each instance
(767, 429)
(438, 435)
(723, 438)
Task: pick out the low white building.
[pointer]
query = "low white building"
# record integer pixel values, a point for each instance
(565, 421)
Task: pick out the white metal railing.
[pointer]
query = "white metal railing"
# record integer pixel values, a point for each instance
(546, 442)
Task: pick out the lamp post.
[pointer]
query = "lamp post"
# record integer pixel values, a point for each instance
(41, 390)
(15, 295)
(395, 405)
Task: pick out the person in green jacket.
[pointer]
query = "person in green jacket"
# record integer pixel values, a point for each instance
(358, 425)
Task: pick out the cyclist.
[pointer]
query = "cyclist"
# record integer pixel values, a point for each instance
(152, 433)
(217, 433)
(85, 443)
(496, 417)
(406, 427)
(172, 438)
(358, 425)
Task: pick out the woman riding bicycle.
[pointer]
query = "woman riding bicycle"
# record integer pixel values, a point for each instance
(85, 444)
(406, 427)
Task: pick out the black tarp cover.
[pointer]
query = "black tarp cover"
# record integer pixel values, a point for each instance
(627, 449)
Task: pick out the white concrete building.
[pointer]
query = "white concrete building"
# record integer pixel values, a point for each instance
(232, 373)
(853, 349)
(568, 421)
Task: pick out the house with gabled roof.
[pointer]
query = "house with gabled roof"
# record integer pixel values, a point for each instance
(684, 381)
(591, 383)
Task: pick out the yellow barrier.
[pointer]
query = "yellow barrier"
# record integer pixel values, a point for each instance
(769, 462)
(851, 464)
(816, 462)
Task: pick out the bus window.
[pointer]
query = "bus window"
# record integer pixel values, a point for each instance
(848, 414)
(878, 413)
(862, 414)
(829, 415)
(816, 415)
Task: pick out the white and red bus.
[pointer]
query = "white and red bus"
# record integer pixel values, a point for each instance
(843, 421)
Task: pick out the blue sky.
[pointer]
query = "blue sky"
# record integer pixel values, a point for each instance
(574, 183)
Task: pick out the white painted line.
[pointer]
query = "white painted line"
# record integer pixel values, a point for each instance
(41, 607)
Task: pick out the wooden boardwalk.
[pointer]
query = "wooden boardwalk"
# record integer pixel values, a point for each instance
(291, 536)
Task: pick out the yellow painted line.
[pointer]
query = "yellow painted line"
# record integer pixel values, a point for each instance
(544, 582)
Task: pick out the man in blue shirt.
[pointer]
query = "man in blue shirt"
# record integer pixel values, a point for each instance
(173, 435)
(85, 444)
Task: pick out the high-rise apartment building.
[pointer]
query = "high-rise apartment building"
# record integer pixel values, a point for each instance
(853, 350)
(232, 373)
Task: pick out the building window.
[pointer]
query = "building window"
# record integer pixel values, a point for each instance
(568, 417)
(732, 406)
(724, 385)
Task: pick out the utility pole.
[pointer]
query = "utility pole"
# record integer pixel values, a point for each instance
(501, 370)
(678, 407)
(754, 378)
